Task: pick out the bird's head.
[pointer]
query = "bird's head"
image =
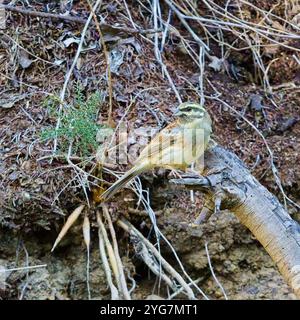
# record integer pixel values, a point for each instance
(189, 111)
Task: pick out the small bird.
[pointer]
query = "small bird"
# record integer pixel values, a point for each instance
(175, 147)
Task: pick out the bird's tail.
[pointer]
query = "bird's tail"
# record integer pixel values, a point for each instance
(121, 182)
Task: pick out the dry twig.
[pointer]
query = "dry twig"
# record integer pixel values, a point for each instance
(122, 279)
(114, 291)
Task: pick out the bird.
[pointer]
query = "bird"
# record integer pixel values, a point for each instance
(176, 146)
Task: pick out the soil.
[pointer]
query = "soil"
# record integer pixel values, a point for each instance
(37, 193)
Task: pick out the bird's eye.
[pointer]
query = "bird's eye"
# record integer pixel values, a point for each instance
(189, 109)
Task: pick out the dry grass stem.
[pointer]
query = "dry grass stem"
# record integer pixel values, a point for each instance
(114, 291)
(122, 279)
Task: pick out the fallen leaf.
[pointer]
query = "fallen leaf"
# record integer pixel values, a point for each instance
(24, 60)
(216, 63)
(7, 105)
(67, 42)
(278, 26)
(86, 231)
(273, 49)
(9, 101)
(256, 102)
(116, 58)
(70, 221)
(58, 62)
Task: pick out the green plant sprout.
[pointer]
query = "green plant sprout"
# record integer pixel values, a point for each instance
(78, 126)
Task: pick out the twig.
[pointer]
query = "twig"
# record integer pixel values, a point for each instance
(144, 253)
(42, 14)
(70, 221)
(110, 252)
(24, 268)
(186, 25)
(107, 60)
(26, 85)
(75, 19)
(296, 59)
(107, 270)
(27, 272)
(116, 251)
(6, 37)
(146, 203)
(158, 53)
(173, 295)
(87, 239)
(69, 73)
(127, 226)
(129, 15)
(213, 273)
(132, 281)
(274, 169)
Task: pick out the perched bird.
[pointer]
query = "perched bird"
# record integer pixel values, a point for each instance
(175, 147)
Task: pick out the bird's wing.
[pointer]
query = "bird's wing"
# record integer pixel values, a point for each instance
(167, 138)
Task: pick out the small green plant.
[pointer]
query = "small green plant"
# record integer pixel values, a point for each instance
(78, 126)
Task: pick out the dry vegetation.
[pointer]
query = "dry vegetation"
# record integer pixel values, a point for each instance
(134, 62)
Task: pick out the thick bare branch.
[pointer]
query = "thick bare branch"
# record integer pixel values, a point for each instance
(258, 209)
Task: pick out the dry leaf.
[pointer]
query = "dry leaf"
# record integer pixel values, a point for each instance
(273, 49)
(278, 26)
(59, 62)
(69, 41)
(86, 231)
(7, 105)
(70, 221)
(116, 58)
(9, 101)
(216, 63)
(24, 60)
(295, 9)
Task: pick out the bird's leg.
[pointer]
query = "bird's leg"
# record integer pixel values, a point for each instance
(218, 200)
(210, 207)
(196, 169)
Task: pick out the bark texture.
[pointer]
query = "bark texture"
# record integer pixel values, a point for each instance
(228, 184)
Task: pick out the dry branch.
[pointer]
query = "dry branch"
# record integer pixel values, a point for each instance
(75, 19)
(116, 250)
(127, 226)
(225, 177)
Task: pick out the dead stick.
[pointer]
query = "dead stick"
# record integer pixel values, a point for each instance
(73, 19)
(107, 60)
(126, 225)
(116, 250)
(106, 267)
(110, 251)
(256, 208)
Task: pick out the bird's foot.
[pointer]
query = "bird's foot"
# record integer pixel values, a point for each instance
(174, 173)
(191, 173)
